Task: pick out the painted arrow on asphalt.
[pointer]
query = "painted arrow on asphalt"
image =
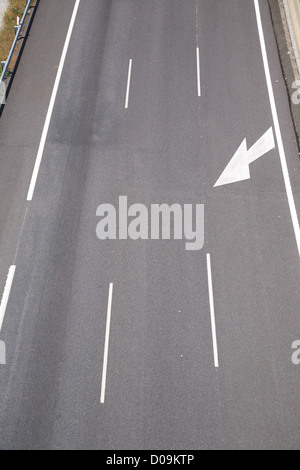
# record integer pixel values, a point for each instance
(238, 167)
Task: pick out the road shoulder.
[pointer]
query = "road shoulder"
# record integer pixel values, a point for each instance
(284, 50)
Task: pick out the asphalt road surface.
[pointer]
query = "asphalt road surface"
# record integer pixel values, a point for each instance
(123, 344)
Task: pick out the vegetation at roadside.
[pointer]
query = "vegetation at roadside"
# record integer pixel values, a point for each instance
(7, 33)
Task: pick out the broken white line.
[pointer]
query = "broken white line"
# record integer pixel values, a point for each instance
(6, 294)
(107, 334)
(128, 84)
(198, 72)
(212, 311)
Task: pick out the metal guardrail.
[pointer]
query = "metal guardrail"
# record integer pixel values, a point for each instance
(5, 65)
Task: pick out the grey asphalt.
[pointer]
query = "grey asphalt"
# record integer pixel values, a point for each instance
(170, 146)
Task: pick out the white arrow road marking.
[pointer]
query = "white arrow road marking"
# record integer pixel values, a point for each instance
(238, 167)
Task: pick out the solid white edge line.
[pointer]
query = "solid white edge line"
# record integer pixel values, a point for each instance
(282, 154)
(212, 311)
(106, 345)
(6, 294)
(51, 105)
(128, 84)
(198, 72)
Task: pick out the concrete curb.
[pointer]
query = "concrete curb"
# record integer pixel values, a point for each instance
(287, 49)
(292, 11)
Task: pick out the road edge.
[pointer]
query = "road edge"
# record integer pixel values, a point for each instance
(284, 48)
(20, 47)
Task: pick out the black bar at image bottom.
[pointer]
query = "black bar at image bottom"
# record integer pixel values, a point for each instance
(145, 459)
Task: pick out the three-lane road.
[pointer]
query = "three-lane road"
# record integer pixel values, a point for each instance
(123, 344)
